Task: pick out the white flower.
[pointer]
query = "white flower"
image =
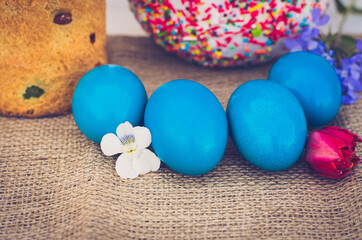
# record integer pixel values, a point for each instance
(131, 142)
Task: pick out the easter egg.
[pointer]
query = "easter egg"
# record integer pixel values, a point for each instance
(313, 81)
(188, 126)
(267, 124)
(105, 97)
(224, 33)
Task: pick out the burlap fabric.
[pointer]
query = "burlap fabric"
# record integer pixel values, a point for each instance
(56, 184)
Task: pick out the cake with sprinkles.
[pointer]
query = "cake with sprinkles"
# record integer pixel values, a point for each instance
(222, 33)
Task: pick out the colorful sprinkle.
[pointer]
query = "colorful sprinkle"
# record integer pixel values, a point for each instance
(220, 33)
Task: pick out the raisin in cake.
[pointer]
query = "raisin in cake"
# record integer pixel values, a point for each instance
(46, 46)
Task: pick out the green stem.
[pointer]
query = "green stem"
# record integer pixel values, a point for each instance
(341, 23)
(345, 16)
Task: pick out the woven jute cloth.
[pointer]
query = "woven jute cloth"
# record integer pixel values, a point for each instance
(57, 184)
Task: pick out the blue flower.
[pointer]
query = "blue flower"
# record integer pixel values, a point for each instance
(359, 45)
(350, 75)
(308, 39)
(318, 19)
(349, 70)
(294, 45)
(329, 56)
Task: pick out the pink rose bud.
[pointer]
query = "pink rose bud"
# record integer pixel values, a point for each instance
(330, 152)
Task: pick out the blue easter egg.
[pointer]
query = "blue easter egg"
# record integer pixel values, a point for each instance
(313, 81)
(188, 126)
(267, 124)
(105, 97)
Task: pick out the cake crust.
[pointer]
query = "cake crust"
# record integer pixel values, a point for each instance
(46, 47)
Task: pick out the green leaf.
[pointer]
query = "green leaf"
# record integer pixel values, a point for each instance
(344, 46)
(328, 39)
(349, 41)
(340, 7)
(331, 37)
(356, 10)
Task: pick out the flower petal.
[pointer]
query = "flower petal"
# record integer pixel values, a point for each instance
(352, 94)
(348, 100)
(356, 138)
(312, 44)
(124, 129)
(316, 15)
(359, 45)
(143, 137)
(146, 162)
(290, 43)
(338, 136)
(306, 34)
(125, 134)
(111, 145)
(315, 33)
(326, 169)
(320, 148)
(323, 21)
(124, 166)
(154, 160)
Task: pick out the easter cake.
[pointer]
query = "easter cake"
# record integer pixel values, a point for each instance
(224, 32)
(46, 46)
